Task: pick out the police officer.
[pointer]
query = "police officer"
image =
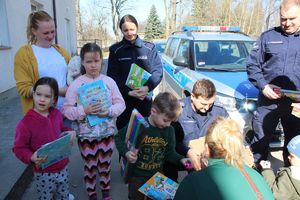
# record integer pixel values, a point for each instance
(198, 112)
(121, 55)
(273, 64)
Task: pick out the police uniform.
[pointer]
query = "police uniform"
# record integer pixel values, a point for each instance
(121, 56)
(191, 125)
(275, 59)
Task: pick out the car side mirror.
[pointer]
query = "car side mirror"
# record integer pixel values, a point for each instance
(180, 61)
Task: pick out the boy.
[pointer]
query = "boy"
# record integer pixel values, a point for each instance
(286, 184)
(156, 146)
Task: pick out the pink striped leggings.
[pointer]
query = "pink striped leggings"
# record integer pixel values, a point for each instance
(96, 155)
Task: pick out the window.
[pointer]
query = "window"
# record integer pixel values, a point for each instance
(4, 33)
(171, 47)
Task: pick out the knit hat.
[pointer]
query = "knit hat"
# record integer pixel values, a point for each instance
(294, 146)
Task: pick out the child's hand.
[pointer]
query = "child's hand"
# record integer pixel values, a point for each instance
(131, 156)
(92, 109)
(37, 160)
(194, 159)
(73, 136)
(265, 164)
(103, 113)
(187, 164)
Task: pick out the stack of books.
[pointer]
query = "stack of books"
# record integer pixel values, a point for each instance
(136, 125)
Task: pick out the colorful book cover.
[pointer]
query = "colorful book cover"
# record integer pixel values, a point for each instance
(296, 109)
(137, 76)
(92, 93)
(293, 94)
(136, 125)
(55, 151)
(159, 187)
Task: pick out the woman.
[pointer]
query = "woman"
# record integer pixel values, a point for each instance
(122, 54)
(226, 176)
(40, 58)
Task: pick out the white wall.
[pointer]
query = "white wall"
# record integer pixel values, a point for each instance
(17, 12)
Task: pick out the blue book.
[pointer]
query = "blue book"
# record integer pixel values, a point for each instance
(55, 151)
(92, 93)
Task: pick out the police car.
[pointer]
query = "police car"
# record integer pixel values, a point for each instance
(217, 53)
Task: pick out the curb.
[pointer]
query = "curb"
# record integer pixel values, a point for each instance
(21, 185)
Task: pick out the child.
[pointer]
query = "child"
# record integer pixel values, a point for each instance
(157, 144)
(286, 184)
(41, 125)
(96, 149)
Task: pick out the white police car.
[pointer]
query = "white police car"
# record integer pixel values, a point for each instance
(215, 53)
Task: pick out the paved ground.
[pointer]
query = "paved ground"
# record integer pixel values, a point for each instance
(15, 179)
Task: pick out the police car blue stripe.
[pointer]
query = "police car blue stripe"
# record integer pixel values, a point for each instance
(236, 80)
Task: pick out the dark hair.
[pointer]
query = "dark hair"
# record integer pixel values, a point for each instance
(128, 18)
(89, 47)
(33, 23)
(167, 103)
(204, 88)
(52, 84)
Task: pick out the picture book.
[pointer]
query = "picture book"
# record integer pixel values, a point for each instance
(293, 94)
(93, 93)
(55, 150)
(137, 76)
(136, 125)
(159, 187)
(296, 109)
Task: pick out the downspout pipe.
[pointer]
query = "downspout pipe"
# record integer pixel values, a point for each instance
(54, 18)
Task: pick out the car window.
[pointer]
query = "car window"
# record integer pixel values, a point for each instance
(171, 47)
(222, 54)
(183, 49)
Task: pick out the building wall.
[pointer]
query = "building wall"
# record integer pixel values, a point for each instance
(17, 13)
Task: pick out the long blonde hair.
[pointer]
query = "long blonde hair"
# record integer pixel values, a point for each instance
(225, 140)
(33, 23)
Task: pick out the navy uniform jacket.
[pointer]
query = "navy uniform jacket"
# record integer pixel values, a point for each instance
(275, 59)
(123, 54)
(193, 124)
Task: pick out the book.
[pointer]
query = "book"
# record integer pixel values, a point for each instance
(55, 151)
(136, 126)
(159, 187)
(293, 94)
(137, 77)
(197, 145)
(296, 109)
(92, 93)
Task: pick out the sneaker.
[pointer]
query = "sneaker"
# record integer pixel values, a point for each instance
(71, 196)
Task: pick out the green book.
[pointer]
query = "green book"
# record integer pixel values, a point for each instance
(137, 76)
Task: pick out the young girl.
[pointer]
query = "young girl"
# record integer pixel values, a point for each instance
(41, 125)
(96, 149)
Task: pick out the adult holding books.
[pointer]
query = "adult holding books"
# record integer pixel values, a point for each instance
(122, 55)
(273, 65)
(198, 112)
(225, 176)
(40, 58)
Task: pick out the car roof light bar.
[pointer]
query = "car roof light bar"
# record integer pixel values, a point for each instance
(212, 28)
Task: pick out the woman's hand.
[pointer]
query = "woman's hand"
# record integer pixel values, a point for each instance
(37, 160)
(272, 91)
(139, 93)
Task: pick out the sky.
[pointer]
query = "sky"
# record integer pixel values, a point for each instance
(140, 8)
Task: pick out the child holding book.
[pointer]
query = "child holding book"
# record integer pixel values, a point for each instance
(286, 183)
(41, 125)
(157, 144)
(96, 142)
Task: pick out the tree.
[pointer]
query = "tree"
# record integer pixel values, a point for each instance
(153, 29)
(117, 8)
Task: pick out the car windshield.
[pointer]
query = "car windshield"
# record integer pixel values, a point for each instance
(222, 55)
